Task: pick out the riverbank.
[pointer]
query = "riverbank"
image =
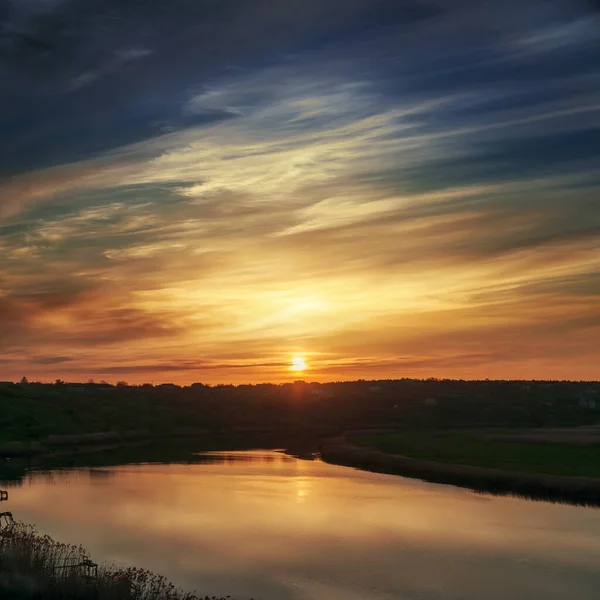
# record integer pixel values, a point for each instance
(572, 452)
(14, 471)
(57, 443)
(574, 490)
(61, 445)
(35, 567)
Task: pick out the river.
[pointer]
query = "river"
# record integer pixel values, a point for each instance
(261, 524)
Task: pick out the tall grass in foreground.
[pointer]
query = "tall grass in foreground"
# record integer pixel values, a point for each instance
(35, 567)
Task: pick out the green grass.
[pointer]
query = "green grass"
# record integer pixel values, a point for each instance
(464, 449)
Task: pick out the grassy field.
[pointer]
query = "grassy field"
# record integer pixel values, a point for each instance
(467, 449)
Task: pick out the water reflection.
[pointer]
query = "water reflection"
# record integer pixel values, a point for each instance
(275, 457)
(18, 472)
(262, 524)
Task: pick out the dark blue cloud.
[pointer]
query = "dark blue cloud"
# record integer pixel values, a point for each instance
(84, 76)
(505, 160)
(81, 77)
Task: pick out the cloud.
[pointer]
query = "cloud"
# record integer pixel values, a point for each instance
(181, 366)
(18, 192)
(379, 186)
(51, 360)
(116, 62)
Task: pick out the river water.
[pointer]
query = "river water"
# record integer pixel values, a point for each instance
(264, 525)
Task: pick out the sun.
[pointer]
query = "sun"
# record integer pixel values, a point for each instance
(298, 364)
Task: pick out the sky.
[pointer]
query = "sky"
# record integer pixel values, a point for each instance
(206, 190)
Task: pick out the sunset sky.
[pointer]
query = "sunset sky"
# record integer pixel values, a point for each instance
(207, 190)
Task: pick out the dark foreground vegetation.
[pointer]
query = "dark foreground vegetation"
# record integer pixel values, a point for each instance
(35, 567)
(35, 417)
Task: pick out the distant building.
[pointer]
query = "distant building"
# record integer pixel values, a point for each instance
(76, 387)
(430, 402)
(98, 386)
(587, 402)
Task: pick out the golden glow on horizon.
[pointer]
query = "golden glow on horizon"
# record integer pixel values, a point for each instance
(298, 364)
(254, 281)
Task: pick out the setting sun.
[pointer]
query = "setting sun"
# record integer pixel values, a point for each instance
(298, 364)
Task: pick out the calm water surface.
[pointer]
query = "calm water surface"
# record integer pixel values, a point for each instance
(265, 525)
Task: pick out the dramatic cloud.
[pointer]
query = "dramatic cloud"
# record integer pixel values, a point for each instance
(201, 191)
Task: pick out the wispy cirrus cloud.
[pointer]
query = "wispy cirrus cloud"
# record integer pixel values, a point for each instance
(385, 188)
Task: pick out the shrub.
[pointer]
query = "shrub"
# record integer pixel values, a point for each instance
(35, 567)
